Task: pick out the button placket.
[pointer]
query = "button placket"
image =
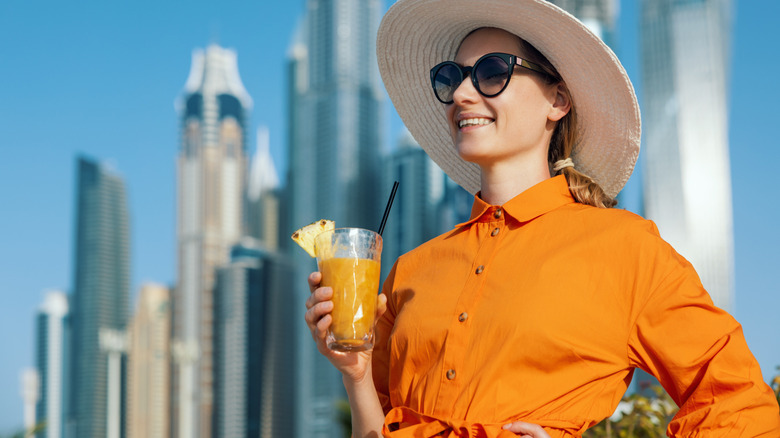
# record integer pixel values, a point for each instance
(460, 329)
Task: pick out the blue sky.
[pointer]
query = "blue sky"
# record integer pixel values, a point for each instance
(100, 78)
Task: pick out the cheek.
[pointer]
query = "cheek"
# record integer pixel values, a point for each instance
(449, 111)
(530, 116)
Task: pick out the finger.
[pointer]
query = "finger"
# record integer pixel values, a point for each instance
(314, 280)
(320, 294)
(317, 311)
(527, 429)
(322, 326)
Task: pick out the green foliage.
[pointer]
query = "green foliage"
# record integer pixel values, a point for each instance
(38, 428)
(643, 417)
(344, 417)
(776, 385)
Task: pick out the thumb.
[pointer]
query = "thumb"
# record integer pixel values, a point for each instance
(381, 305)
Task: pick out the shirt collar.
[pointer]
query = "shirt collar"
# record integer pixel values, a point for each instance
(533, 202)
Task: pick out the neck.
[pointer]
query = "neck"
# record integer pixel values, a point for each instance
(503, 181)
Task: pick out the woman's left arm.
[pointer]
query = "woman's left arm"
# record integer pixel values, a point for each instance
(699, 354)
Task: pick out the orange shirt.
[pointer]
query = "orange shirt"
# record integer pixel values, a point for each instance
(539, 310)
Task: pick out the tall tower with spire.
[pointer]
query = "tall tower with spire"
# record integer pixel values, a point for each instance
(213, 109)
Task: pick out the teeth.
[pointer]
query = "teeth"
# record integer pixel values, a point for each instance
(473, 122)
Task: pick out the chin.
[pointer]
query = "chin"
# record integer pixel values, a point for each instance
(471, 155)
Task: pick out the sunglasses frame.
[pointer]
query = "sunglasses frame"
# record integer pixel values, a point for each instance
(512, 61)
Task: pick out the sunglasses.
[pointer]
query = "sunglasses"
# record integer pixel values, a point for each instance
(490, 75)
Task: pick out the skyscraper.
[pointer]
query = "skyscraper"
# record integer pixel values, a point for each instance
(335, 156)
(100, 291)
(335, 97)
(263, 195)
(213, 110)
(148, 364)
(685, 58)
(254, 361)
(30, 392)
(50, 362)
(598, 15)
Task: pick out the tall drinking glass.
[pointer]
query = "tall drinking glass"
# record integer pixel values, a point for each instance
(349, 260)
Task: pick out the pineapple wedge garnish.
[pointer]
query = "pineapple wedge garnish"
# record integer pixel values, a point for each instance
(305, 236)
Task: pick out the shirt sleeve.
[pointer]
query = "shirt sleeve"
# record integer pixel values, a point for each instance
(697, 351)
(380, 359)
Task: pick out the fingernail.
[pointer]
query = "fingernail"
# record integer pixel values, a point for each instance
(506, 426)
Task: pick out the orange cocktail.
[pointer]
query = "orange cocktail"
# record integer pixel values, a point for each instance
(355, 283)
(349, 260)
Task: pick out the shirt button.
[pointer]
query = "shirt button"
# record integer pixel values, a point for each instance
(495, 232)
(450, 374)
(480, 268)
(463, 316)
(497, 214)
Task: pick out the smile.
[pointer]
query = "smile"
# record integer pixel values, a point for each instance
(474, 122)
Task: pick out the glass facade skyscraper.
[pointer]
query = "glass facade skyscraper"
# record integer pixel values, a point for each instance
(50, 358)
(101, 291)
(685, 58)
(213, 111)
(598, 15)
(254, 362)
(335, 153)
(334, 160)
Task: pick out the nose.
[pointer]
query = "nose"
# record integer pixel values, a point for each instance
(465, 92)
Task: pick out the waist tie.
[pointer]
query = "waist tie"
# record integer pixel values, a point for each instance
(412, 424)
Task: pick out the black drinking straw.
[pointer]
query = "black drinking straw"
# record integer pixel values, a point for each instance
(387, 209)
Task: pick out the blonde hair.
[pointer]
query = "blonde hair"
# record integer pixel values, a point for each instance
(582, 187)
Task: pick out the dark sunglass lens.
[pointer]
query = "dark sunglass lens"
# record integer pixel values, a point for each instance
(446, 80)
(491, 74)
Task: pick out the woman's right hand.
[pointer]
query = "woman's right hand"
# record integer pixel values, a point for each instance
(355, 366)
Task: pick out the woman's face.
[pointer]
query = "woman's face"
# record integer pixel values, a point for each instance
(516, 124)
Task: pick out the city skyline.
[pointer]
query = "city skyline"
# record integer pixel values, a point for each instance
(86, 114)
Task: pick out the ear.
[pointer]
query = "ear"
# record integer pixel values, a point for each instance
(561, 103)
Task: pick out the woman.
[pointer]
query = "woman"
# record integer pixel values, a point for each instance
(529, 318)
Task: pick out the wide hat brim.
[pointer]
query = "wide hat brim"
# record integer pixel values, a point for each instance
(415, 35)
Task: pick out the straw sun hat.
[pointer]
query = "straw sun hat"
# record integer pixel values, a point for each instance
(415, 35)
